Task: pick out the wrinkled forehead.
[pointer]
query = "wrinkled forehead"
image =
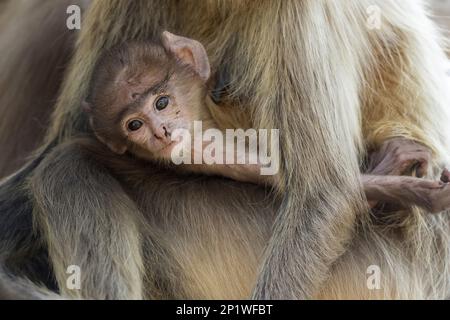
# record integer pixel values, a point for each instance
(136, 79)
(135, 64)
(143, 76)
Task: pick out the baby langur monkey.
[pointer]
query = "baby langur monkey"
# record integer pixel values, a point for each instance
(142, 92)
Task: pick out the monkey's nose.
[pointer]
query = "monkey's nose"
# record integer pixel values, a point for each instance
(166, 132)
(162, 133)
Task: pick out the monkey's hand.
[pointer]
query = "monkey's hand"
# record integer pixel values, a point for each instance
(404, 192)
(400, 156)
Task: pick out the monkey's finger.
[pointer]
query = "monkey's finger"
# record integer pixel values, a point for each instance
(445, 176)
(421, 168)
(416, 163)
(440, 199)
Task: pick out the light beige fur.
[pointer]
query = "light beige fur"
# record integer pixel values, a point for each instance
(335, 88)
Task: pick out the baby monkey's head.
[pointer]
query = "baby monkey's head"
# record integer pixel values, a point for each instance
(141, 92)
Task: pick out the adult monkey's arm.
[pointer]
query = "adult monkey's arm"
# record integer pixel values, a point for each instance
(393, 71)
(314, 101)
(408, 98)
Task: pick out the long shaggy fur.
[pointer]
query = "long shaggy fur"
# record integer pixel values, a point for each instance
(14, 288)
(335, 88)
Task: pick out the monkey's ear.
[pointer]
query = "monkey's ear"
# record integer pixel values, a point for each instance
(116, 148)
(113, 146)
(188, 51)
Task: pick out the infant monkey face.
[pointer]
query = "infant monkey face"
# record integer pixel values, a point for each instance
(150, 127)
(143, 92)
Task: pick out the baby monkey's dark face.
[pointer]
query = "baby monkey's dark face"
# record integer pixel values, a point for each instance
(149, 92)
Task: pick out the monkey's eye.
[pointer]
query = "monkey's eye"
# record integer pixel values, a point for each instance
(162, 103)
(135, 125)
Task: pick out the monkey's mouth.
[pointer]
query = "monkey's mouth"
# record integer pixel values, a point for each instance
(167, 148)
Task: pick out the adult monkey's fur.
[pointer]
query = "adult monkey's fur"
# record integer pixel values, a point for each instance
(334, 87)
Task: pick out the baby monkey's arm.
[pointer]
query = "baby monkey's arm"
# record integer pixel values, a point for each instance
(383, 181)
(247, 172)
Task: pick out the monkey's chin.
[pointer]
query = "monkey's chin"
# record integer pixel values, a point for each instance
(165, 153)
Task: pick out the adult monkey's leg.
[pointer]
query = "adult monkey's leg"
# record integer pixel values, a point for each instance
(84, 215)
(87, 220)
